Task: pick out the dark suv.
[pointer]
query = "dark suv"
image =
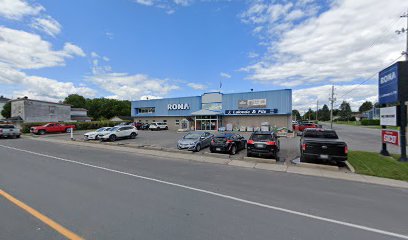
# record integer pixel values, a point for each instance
(263, 144)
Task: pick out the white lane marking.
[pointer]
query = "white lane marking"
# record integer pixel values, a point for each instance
(324, 219)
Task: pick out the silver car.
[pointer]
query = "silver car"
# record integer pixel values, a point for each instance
(195, 141)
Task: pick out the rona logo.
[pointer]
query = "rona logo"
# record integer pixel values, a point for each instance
(389, 77)
(178, 106)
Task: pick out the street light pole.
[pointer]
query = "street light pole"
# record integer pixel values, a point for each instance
(332, 100)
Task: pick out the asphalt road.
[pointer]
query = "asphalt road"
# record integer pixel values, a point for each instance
(361, 138)
(104, 194)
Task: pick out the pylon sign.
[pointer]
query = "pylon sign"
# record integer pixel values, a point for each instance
(393, 83)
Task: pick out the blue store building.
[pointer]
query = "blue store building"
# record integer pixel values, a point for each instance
(210, 111)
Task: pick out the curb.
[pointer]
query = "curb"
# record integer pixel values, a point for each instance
(260, 160)
(317, 166)
(350, 167)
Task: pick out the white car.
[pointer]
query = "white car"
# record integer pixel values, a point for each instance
(95, 135)
(158, 126)
(119, 132)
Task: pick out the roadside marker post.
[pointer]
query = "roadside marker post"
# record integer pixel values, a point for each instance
(72, 134)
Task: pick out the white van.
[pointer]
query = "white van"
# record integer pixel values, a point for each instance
(158, 126)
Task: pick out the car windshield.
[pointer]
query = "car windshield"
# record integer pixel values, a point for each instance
(261, 137)
(321, 134)
(192, 136)
(113, 129)
(103, 129)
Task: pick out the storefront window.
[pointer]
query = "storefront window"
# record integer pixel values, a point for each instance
(177, 122)
(146, 110)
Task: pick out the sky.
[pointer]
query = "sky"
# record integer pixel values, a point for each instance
(138, 49)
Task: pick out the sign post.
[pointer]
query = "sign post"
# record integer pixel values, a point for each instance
(393, 89)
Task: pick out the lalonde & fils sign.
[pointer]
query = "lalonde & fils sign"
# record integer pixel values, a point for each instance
(251, 112)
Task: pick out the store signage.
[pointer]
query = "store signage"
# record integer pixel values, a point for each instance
(251, 112)
(252, 103)
(391, 137)
(388, 85)
(178, 106)
(388, 116)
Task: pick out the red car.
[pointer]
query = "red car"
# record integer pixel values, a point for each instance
(51, 128)
(301, 127)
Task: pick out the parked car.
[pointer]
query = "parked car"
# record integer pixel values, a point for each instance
(263, 144)
(116, 133)
(303, 126)
(228, 143)
(195, 141)
(156, 126)
(9, 131)
(95, 135)
(322, 144)
(51, 128)
(138, 125)
(145, 126)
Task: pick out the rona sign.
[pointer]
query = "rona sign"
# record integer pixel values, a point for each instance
(178, 106)
(393, 83)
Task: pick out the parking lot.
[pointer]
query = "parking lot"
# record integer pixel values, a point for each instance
(168, 139)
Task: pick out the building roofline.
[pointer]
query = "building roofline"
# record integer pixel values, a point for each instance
(274, 90)
(33, 100)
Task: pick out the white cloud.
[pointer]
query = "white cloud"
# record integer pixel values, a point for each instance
(183, 2)
(46, 89)
(149, 97)
(197, 86)
(23, 50)
(94, 55)
(71, 50)
(169, 6)
(303, 99)
(130, 87)
(335, 46)
(17, 9)
(47, 24)
(146, 2)
(225, 75)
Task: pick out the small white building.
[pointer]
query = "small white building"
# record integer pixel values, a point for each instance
(79, 115)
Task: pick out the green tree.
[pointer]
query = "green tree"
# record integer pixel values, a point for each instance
(6, 112)
(309, 115)
(367, 105)
(345, 111)
(324, 113)
(296, 115)
(76, 101)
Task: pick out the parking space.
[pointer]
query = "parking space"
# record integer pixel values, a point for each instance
(168, 139)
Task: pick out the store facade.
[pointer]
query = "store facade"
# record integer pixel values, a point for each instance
(214, 110)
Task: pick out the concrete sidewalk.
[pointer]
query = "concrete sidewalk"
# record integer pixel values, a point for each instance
(246, 163)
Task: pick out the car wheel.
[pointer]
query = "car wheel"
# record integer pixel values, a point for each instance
(112, 138)
(166, 128)
(133, 135)
(233, 150)
(41, 132)
(212, 150)
(96, 137)
(249, 154)
(18, 136)
(302, 158)
(198, 148)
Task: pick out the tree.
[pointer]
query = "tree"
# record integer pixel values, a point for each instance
(324, 113)
(296, 115)
(6, 112)
(309, 115)
(345, 111)
(76, 101)
(367, 105)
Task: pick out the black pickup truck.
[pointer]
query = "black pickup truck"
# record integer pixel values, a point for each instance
(322, 144)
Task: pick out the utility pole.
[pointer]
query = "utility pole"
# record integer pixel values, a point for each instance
(404, 30)
(317, 109)
(332, 99)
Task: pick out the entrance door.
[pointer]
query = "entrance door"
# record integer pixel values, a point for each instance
(206, 123)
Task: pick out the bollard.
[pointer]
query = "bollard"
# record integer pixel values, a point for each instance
(72, 134)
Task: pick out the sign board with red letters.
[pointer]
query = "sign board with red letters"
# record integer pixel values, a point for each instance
(389, 136)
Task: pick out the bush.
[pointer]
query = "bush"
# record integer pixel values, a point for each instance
(370, 122)
(79, 125)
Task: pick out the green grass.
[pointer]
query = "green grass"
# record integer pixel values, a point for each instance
(357, 123)
(374, 164)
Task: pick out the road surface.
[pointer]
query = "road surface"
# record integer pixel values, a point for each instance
(105, 194)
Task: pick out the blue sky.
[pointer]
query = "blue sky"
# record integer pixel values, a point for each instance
(132, 49)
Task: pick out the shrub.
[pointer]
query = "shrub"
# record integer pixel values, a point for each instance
(370, 122)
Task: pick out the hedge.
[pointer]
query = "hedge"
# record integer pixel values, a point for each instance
(367, 122)
(79, 125)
